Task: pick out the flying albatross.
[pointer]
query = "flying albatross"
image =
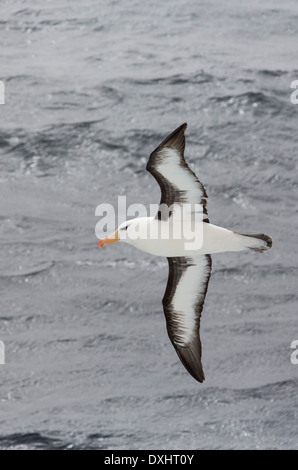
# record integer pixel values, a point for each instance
(183, 201)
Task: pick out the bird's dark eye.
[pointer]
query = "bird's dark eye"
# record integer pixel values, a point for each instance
(125, 228)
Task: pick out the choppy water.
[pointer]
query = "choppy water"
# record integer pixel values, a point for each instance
(91, 88)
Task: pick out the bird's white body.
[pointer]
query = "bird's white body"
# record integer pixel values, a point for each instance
(156, 237)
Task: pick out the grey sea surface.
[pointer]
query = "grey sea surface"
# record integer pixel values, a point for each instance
(91, 88)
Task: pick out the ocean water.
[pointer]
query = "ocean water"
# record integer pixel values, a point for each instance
(91, 88)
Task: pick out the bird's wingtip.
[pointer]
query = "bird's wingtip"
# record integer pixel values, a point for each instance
(176, 139)
(191, 359)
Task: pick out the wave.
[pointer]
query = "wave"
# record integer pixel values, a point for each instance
(277, 389)
(273, 73)
(177, 79)
(257, 101)
(46, 266)
(33, 440)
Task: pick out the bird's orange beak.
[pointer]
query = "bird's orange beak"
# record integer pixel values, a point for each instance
(108, 240)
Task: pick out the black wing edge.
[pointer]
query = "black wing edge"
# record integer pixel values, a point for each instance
(176, 140)
(191, 355)
(189, 358)
(169, 193)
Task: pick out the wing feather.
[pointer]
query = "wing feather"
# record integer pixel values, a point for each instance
(178, 183)
(183, 304)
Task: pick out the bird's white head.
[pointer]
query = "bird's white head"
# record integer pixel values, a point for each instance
(121, 234)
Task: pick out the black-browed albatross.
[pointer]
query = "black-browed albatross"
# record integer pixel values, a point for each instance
(189, 269)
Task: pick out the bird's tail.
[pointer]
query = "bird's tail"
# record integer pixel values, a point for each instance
(259, 242)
